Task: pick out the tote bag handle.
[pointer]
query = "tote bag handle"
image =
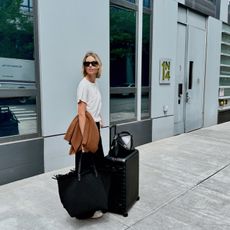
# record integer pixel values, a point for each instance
(80, 165)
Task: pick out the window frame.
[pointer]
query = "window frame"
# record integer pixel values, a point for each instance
(148, 88)
(140, 10)
(10, 93)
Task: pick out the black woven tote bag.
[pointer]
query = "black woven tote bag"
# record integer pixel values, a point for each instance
(82, 193)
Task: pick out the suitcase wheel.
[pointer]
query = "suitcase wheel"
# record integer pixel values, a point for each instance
(138, 198)
(125, 214)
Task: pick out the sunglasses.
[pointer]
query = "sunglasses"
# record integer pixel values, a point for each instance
(87, 63)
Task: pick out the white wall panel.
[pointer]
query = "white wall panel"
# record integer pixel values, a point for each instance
(164, 46)
(212, 72)
(66, 31)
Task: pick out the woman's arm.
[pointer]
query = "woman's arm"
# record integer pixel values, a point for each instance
(81, 114)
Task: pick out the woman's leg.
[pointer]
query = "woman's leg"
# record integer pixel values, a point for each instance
(86, 161)
(87, 158)
(99, 154)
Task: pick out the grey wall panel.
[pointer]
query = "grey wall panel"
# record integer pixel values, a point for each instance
(20, 160)
(141, 131)
(223, 116)
(164, 47)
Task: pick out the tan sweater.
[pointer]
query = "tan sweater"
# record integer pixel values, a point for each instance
(90, 138)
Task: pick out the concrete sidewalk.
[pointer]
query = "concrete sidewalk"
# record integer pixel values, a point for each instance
(184, 184)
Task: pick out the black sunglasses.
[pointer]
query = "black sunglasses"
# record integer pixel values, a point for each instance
(87, 63)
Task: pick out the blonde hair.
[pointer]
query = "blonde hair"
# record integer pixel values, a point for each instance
(94, 55)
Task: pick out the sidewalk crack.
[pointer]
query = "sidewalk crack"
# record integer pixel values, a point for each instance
(179, 196)
(213, 174)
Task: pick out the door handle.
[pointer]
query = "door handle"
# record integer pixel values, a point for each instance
(187, 97)
(180, 89)
(180, 92)
(190, 77)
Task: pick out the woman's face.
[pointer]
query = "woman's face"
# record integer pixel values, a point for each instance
(91, 65)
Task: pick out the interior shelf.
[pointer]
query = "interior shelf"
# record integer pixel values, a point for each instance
(224, 108)
(224, 97)
(225, 43)
(225, 76)
(224, 84)
(225, 54)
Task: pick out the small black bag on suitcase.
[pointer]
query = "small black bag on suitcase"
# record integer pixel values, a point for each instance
(122, 143)
(124, 187)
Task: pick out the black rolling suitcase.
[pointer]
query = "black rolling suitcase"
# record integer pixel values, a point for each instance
(124, 184)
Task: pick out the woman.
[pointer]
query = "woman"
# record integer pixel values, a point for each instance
(89, 99)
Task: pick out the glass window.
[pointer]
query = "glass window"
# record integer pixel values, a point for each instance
(18, 109)
(145, 99)
(27, 5)
(146, 3)
(122, 64)
(225, 81)
(133, 1)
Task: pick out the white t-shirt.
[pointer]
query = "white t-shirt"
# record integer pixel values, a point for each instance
(89, 93)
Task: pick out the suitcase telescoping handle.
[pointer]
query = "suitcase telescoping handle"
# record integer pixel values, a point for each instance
(114, 129)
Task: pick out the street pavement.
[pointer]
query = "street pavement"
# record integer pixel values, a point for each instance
(184, 184)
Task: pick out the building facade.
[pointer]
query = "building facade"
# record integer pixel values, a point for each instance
(165, 72)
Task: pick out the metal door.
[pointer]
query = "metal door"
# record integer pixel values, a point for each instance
(180, 78)
(190, 71)
(195, 79)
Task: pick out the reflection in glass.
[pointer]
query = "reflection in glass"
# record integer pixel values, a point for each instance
(122, 64)
(225, 48)
(146, 3)
(123, 108)
(227, 92)
(225, 70)
(225, 60)
(145, 100)
(225, 38)
(225, 81)
(27, 5)
(16, 29)
(226, 27)
(17, 75)
(22, 110)
(145, 104)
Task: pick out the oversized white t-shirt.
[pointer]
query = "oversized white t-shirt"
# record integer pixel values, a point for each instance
(89, 93)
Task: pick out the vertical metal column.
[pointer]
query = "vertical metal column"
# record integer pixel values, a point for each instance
(218, 9)
(139, 56)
